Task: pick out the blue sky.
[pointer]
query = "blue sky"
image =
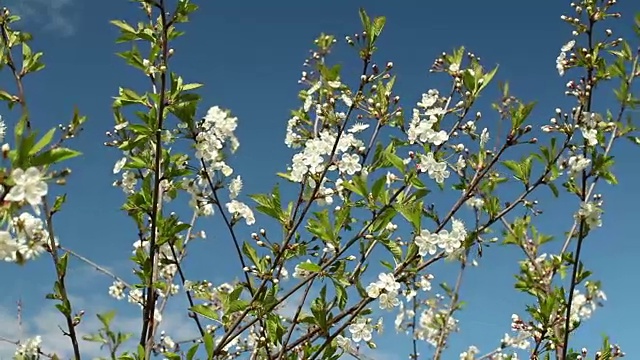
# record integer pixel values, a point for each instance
(249, 55)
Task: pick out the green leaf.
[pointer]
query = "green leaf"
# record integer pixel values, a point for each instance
(394, 248)
(364, 19)
(634, 139)
(609, 177)
(171, 356)
(26, 52)
(205, 311)
(251, 253)
(19, 128)
(378, 187)
(61, 266)
(236, 306)
(94, 338)
(360, 182)
(44, 141)
(270, 204)
(383, 219)
(341, 295)
(54, 156)
(192, 351)
(208, 345)
(378, 25)
(122, 25)
(411, 212)
(192, 86)
(106, 318)
(5, 96)
(309, 266)
(486, 79)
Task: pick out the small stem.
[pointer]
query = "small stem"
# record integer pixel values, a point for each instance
(452, 308)
(414, 322)
(294, 321)
(96, 266)
(17, 76)
(61, 274)
(178, 261)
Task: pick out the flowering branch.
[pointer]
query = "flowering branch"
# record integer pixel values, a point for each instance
(29, 186)
(146, 338)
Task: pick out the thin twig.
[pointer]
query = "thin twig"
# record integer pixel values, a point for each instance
(62, 289)
(96, 266)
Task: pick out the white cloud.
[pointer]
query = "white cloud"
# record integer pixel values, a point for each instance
(44, 323)
(41, 318)
(52, 15)
(47, 321)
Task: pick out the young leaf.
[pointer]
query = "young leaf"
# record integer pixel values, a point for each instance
(205, 311)
(54, 156)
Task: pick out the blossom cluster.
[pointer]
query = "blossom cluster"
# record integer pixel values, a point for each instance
(25, 239)
(432, 323)
(584, 304)
(385, 290)
(214, 131)
(312, 159)
(30, 348)
(450, 241)
(421, 128)
(561, 60)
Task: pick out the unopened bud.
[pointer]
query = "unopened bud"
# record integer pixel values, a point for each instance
(5, 150)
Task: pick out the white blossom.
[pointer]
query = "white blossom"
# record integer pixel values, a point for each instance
(360, 330)
(116, 290)
(29, 185)
(235, 186)
(242, 210)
